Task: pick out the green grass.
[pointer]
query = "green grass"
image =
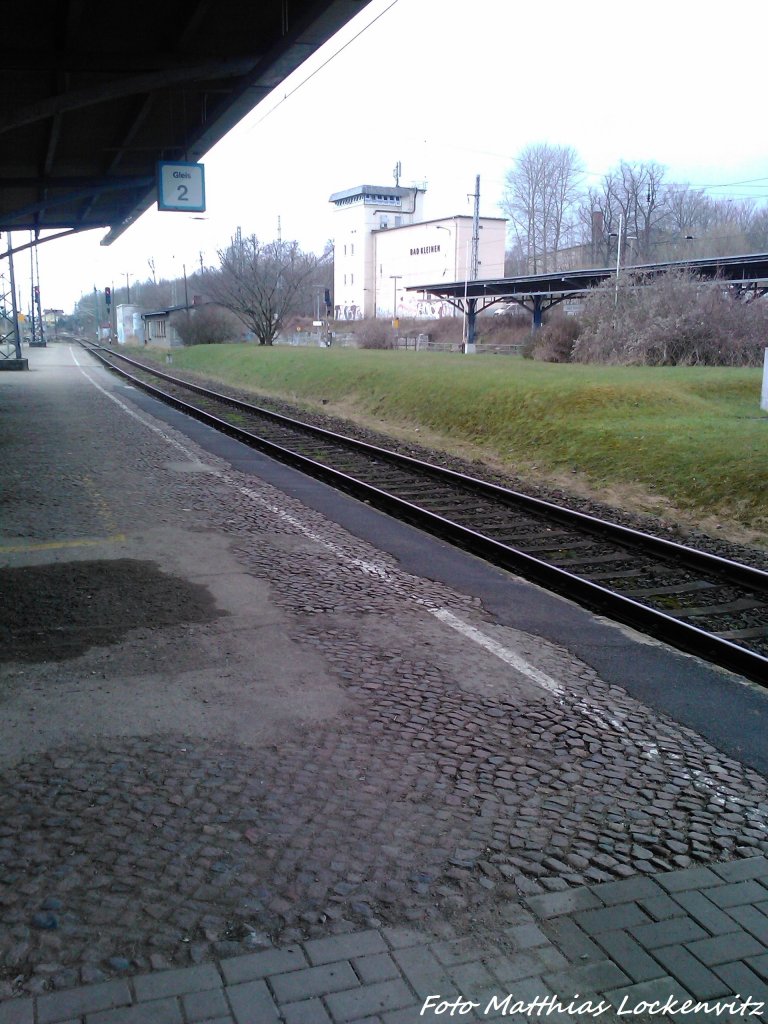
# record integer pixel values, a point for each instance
(693, 436)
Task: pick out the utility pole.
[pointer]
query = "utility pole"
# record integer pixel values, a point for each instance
(476, 231)
(14, 307)
(37, 300)
(96, 312)
(470, 305)
(32, 320)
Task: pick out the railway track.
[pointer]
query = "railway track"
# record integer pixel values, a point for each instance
(699, 602)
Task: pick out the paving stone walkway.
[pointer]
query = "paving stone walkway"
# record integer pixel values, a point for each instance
(690, 944)
(447, 833)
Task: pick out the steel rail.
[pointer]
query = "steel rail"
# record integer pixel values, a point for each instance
(594, 596)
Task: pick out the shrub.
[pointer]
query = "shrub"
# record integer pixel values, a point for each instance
(674, 319)
(553, 343)
(207, 325)
(374, 334)
(510, 329)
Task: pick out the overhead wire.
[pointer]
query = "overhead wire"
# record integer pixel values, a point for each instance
(325, 64)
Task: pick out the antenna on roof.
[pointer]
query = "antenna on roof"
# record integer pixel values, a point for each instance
(396, 173)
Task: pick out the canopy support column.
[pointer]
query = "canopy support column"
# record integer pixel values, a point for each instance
(538, 312)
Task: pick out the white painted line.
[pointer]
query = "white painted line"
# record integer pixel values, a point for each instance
(505, 654)
(132, 413)
(376, 570)
(379, 571)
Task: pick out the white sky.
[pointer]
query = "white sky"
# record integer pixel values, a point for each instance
(455, 88)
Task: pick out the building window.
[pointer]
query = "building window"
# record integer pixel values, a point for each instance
(351, 278)
(398, 220)
(345, 279)
(384, 222)
(352, 253)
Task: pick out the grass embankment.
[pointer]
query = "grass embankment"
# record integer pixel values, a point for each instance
(685, 442)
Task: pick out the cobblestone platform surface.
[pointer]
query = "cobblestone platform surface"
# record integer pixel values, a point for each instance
(685, 944)
(436, 819)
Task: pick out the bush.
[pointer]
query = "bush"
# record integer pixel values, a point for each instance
(674, 319)
(553, 343)
(374, 334)
(446, 329)
(207, 325)
(510, 329)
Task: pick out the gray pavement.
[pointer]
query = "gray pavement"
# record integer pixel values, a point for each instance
(252, 770)
(686, 944)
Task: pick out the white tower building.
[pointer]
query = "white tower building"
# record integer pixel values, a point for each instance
(383, 246)
(360, 212)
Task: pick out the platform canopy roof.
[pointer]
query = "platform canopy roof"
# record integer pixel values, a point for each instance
(94, 94)
(747, 270)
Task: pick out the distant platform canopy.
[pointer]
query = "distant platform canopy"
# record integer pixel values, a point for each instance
(538, 292)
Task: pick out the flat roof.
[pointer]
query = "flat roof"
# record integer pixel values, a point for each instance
(747, 269)
(391, 191)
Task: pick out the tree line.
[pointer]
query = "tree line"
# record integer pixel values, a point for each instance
(555, 223)
(256, 287)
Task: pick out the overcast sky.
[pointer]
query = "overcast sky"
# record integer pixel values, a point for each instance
(454, 89)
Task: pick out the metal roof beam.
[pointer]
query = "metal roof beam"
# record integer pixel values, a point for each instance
(130, 86)
(76, 181)
(6, 224)
(81, 62)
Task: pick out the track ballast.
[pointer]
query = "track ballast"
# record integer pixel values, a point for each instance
(707, 605)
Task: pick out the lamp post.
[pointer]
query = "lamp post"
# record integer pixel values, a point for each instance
(617, 236)
(395, 278)
(442, 227)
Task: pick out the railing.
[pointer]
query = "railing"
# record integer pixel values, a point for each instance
(311, 339)
(407, 342)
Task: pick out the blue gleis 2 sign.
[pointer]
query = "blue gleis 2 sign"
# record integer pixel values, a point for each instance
(181, 186)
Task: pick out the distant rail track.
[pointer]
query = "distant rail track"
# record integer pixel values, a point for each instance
(698, 602)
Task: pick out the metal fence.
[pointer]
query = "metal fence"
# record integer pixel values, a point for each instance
(409, 342)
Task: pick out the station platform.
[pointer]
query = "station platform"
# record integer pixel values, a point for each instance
(268, 755)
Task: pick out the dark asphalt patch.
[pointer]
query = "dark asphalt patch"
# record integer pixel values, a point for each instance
(55, 612)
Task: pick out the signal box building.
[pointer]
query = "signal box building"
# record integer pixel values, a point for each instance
(384, 246)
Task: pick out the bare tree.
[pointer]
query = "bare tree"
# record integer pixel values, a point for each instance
(629, 202)
(261, 283)
(688, 210)
(541, 193)
(636, 192)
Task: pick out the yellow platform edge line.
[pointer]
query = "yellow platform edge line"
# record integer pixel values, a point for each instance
(52, 545)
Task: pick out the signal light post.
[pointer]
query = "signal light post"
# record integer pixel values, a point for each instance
(108, 301)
